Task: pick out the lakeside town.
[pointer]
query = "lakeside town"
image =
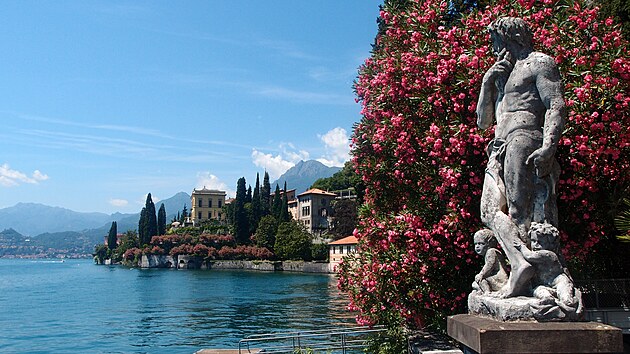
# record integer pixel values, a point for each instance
(483, 205)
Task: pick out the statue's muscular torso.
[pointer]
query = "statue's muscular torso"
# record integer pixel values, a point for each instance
(521, 106)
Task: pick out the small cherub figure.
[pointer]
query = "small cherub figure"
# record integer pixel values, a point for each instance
(493, 276)
(552, 283)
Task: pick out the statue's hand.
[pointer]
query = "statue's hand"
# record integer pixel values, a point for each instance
(502, 68)
(543, 161)
(478, 278)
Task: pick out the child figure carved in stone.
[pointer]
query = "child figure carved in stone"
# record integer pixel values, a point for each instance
(552, 283)
(493, 276)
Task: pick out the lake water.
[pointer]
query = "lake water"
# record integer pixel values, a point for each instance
(48, 306)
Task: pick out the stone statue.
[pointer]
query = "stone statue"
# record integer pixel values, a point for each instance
(523, 93)
(552, 284)
(493, 276)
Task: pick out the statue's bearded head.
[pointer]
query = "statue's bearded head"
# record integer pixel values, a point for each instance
(506, 30)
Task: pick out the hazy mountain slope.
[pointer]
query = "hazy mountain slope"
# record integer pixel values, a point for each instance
(303, 175)
(34, 219)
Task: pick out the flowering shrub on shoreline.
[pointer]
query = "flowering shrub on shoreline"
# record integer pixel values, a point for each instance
(210, 247)
(422, 158)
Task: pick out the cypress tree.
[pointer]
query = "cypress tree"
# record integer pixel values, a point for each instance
(142, 227)
(284, 208)
(265, 194)
(248, 195)
(149, 225)
(277, 203)
(241, 223)
(161, 220)
(256, 204)
(184, 214)
(112, 237)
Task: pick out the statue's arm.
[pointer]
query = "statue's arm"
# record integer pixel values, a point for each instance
(550, 91)
(490, 261)
(541, 256)
(489, 92)
(485, 104)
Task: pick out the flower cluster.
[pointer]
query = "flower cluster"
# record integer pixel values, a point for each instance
(422, 158)
(208, 246)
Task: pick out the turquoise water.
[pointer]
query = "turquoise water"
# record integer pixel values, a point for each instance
(78, 307)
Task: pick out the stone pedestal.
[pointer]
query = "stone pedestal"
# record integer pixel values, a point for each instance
(484, 335)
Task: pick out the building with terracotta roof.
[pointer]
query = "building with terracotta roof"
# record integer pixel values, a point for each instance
(314, 208)
(207, 204)
(340, 249)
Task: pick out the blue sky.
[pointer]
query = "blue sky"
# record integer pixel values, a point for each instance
(102, 102)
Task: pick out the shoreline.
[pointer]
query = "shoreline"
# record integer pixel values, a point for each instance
(195, 262)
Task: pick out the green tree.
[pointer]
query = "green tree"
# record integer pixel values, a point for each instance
(147, 225)
(241, 223)
(100, 253)
(256, 207)
(293, 242)
(161, 220)
(284, 207)
(344, 218)
(143, 230)
(266, 232)
(346, 178)
(112, 236)
(276, 206)
(248, 195)
(265, 194)
(128, 241)
(184, 214)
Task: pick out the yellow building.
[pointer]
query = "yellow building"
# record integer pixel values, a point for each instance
(207, 204)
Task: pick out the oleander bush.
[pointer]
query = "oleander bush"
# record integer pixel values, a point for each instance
(422, 158)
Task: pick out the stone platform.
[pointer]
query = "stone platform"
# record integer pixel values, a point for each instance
(485, 335)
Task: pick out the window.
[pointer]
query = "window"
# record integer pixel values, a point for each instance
(199, 216)
(210, 203)
(306, 211)
(219, 203)
(323, 201)
(209, 215)
(219, 213)
(200, 203)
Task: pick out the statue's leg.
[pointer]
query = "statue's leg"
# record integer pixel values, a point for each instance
(519, 182)
(493, 214)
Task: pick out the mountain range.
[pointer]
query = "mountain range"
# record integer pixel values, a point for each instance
(37, 229)
(41, 230)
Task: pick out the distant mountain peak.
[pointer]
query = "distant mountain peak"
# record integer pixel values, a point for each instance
(301, 176)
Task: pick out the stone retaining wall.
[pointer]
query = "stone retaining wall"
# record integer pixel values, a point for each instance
(193, 262)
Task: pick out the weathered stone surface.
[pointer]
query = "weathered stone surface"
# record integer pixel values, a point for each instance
(157, 261)
(485, 335)
(509, 309)
(523, 93)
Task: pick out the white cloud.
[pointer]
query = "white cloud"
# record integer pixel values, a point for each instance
(337, 147)
(12, 178)
(210, 181)
(275, 165)
(38, 176)
(118, 202)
